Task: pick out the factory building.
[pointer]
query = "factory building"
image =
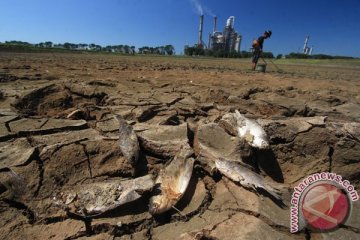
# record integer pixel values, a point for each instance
(228, 40)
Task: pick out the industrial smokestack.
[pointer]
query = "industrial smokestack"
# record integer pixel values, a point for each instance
(214, 24)
(209, 42)
(305, 44)
(238, 43)
(201, 29)
(230, 22)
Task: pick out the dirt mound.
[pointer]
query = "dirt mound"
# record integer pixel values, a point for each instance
(54, 99)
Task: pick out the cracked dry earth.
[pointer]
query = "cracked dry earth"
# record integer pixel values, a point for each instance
(57, 130)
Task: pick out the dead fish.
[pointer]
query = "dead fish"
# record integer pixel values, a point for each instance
(97, 198)
(247, 178)
(173, 181)
(251, 131)
(128, 141)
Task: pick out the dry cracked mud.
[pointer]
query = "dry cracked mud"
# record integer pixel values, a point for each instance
(58, 131)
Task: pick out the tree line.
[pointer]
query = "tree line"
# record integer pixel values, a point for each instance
(315, 56)
(126, 49)
(196, 51)
(161, 50)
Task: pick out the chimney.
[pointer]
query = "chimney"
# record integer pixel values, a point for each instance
(305, 44)
(209, 43)
(311, 50)
(214, 24)
(201, 29)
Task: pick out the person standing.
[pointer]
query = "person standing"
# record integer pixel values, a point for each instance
(258, 47)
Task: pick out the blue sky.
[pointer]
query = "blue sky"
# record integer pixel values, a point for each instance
(333, 25)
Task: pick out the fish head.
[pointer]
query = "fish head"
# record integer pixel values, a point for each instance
(261, 143)
(220, 163)
(156, 204)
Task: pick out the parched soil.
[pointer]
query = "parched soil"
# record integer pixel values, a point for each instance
(58, 131)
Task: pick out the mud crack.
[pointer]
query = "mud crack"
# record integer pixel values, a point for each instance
(266, 220)
(87, 159)
(7, 123)
(40, 164)
(350, 228)
(25, 210)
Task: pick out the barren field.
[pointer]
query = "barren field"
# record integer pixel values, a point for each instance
(58, 131)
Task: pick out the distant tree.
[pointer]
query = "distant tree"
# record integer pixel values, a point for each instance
(159, 50)
(132, 49)
(245, 54)
(220, 53)
(169, 49)
(67, 45)
(108, 48)
(199, 51)
(162, 50)
(189, 51)
(126, 49)
(209, 52)
(92, 46)
(48, 44)
(144, 50)
(82, 46)
(279, 56)
(120, 48)
(234, 54)
(59, 45)
(267, 55)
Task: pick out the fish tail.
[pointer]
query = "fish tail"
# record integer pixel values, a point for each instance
(240, 119)
(273, 191)
(238, 114)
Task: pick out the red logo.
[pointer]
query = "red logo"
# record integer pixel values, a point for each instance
(325, 206)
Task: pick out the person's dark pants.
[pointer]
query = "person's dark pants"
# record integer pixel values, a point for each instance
(256, 56)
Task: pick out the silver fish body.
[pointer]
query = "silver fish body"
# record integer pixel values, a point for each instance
(173, 181)
(128, 141)
(245, 177)
(251, 131)
(96, 198)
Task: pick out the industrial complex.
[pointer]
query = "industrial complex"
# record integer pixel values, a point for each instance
(228, 40)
